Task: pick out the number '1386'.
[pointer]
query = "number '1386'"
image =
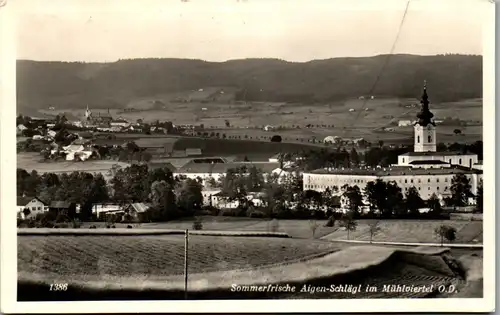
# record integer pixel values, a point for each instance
(59, 287)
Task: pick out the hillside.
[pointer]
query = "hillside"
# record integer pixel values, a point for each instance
(114, 85)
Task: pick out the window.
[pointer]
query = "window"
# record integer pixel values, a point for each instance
(429, 180)
(428, 188)
(419, 181)
(450, 161)
(446, 180)
(406, 181)
(429, 138)
(437, 187)
(418, 139)
(470, 163)
(39, 208)
(445, 188)
(418, 188)
(403, 160)
(437, 180)
(411, 180)
(460, 161)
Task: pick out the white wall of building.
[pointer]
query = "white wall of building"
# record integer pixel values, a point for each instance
(466, 160)
(425, 184)
(425, 138)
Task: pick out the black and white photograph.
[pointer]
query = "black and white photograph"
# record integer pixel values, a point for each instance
(247, 151)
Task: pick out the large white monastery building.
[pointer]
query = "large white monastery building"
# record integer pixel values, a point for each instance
(429, 171)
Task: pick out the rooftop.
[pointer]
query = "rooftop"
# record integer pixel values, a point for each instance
(397, 170)
(442, 153)
(161, 165)
(22, 201)
(427, 162)
(192, 167)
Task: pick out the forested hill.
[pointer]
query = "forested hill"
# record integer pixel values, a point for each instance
(72, 85)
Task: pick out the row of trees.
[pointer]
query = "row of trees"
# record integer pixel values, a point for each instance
(280, 197)
(388, 199)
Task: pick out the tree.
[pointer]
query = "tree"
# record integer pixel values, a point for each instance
(354, 157)
(163, 202)
(348, 223)
(227, 123)
(313, 225)
(373, 228)
(460, 190)
(276, 138)
(434, 204)
(353, 197)
(331, 221)
(26, 212)
(413, 200)
(198, 223)
(376, 195)
(189, 197)
(394, 199)
(479, 197)
(446, 232)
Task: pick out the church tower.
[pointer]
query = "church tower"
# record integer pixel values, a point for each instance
(425, 128)
(88, 113)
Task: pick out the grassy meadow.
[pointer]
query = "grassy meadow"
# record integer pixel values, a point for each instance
(419, 231)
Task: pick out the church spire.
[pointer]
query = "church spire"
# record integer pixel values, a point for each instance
(425, 115)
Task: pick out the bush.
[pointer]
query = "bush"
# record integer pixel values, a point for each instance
(129, 226)
(197, 224)
(108, 226)
(276, 138)
(256, 214)
(93, 227)
(113, 226)
(331, 221)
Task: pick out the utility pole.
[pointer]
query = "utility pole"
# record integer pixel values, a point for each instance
(186, 241)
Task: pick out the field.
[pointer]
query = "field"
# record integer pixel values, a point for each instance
(122, 256)
(419, 231)
(412, 231)
(34, 161)
(151, 267)
(367, 116)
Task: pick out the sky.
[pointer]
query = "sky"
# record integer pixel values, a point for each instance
(219, 30)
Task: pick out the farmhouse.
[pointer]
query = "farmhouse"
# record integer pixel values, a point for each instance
(429, 171)
(63, 207)
(119, 122)
(135, 211)
(33, 204)
(103, 210)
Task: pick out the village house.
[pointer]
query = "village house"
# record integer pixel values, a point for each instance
(120, 123)
(63, 207)
(33, 204)
(103, 210)
(136, 212)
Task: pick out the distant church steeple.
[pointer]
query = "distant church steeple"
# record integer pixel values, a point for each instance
(425, 128)
(425, 115)
(88, 113)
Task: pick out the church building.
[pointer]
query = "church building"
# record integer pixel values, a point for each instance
(429, 171)
(97, 119)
